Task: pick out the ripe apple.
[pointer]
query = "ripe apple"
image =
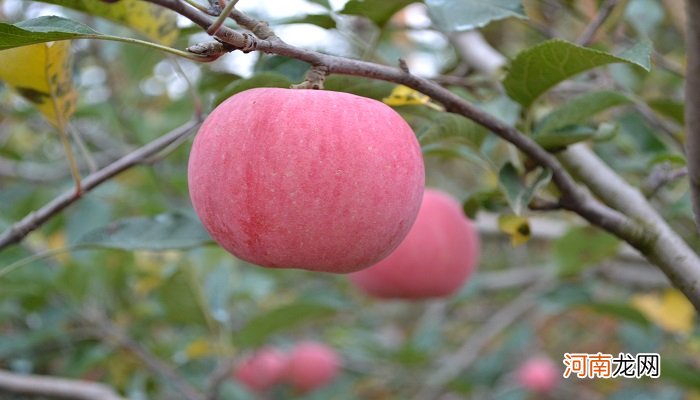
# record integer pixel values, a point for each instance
(310, 179)
(538, 374)
(262, 370)
(439, 254)
(311, 365)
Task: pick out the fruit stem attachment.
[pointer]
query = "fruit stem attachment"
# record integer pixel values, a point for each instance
(221, 18)
(314, 78)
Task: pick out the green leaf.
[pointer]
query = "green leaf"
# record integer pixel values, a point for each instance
(258, 329)
(518, 193)
(564, 137)
(491, 200)
(263, 79)
(322, 3)
(371, 88)
(323, 20)
(379, 11)
(463, 15)
(152, 21)
(675, 110)
(161, 232)
(583, 247)
(295, 70)
(539, 68)
(576, 133)
(454, 150)
(682, 373)
(452, 126)
(42, 30)
(620, 311)
(177, 298)
(580, 109)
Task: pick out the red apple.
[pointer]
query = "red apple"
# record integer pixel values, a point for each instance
(538, 374)
(439, 254)
(309, 179)
(262, 370)
(312, 365)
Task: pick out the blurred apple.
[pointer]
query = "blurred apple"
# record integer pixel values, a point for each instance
(262, 370)
(311, 179)
(538, 374)
(312, 365)
(435, 260)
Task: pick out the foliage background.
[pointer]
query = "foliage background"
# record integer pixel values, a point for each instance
(194, 306)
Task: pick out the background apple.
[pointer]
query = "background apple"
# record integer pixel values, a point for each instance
(538, 374)
(312, 365)
(439, 254)
(311, 179)
(262, 370)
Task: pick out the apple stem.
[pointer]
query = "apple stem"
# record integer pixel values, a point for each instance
(314, 78)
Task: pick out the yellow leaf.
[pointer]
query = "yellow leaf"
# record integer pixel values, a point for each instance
(58, 241)
(200, 348)
(671, 311)
(517, 227)
(41, 73)
(405, 96)
(150, 20)
(146, 284)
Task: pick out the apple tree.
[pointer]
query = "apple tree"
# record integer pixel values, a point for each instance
(546, 151)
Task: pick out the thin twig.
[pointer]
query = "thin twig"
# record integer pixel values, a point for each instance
(78, 139)
(603, 13)
(47, 386)
(454, 364)
(660, 176)
(108, 331)
(221, 18)
(222, 372)
(35, 219)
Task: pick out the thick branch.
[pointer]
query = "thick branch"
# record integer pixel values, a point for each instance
(660, 244)
(19, 230)
(665, 248)
(58, 388)
(692, 103)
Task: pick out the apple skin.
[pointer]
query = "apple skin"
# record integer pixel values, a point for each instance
(311, 365)
(317, 180)
(439, 254)
(538, 374)
(262, 370)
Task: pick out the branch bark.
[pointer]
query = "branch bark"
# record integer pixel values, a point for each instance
(664, 247)
(29, 223)
(692, 103)
(58, 388)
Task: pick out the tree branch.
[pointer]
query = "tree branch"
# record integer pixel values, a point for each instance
(661, 245)
(665, 248)
(692, 103)
(59, 388)
(108, 331)
(29, 223)
(654, 239)
(603, 13)
(452, 365)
